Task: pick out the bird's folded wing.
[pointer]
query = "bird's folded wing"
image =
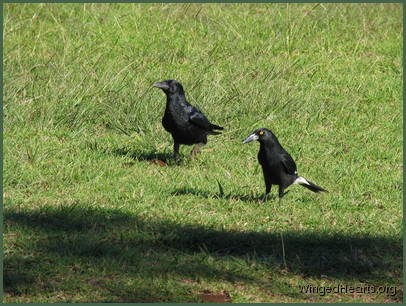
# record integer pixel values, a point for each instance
(288, 163)
(196, 117)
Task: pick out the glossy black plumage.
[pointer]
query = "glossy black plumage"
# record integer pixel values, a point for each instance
(278, 166)
(186, 123)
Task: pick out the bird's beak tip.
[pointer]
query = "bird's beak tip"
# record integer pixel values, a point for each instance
(250, 138)
(160, 85)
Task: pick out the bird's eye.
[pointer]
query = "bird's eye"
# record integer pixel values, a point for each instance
(261, 133)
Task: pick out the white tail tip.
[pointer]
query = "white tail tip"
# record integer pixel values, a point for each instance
(301, 180)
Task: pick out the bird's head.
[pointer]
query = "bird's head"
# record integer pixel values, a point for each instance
(169, 86)
(260, 135)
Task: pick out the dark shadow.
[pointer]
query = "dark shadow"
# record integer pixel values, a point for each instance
(144, 156)
(136, 155)
(17, 272)
(220, 195)
(63, 242)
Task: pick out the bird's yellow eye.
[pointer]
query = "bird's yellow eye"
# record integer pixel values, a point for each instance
(261, 133)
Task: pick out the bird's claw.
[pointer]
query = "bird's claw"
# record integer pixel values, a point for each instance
(263, 199)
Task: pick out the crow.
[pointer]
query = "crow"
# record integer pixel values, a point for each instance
(187, 124)
(278, 166)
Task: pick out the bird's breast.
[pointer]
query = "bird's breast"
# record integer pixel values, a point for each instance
(172, 119)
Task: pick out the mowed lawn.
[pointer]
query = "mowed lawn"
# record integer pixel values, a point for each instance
(89, 216)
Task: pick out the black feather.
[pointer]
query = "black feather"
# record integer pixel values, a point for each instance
(278, 166)
(313, 187)
(186, 123)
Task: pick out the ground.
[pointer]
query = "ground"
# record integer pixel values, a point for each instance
(95, 208)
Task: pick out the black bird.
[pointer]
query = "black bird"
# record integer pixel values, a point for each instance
(277, 165)
(187, 124)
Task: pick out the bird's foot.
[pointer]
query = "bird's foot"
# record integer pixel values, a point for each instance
(263, 199)
(177, 158)
(281, 195)
(195, 150)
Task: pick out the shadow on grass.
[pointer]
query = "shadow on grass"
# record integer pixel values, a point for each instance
(138, 155)
(219, 195)
(119, 257)
(134, 154)
(144, 156)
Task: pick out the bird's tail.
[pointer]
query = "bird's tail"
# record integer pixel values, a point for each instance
(309, 185)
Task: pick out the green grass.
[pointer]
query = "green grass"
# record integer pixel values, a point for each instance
(88, 217)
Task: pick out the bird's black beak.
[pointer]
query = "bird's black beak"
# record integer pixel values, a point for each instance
(161, 85)
(250, 138)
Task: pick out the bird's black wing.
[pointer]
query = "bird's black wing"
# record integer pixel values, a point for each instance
(288, 163)
(198, 118)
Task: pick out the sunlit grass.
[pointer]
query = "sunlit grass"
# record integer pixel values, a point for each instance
(89, 217)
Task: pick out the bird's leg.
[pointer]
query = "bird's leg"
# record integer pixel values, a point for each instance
(281, 193)
(176, 151)
(267, 191)
(196, 149)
